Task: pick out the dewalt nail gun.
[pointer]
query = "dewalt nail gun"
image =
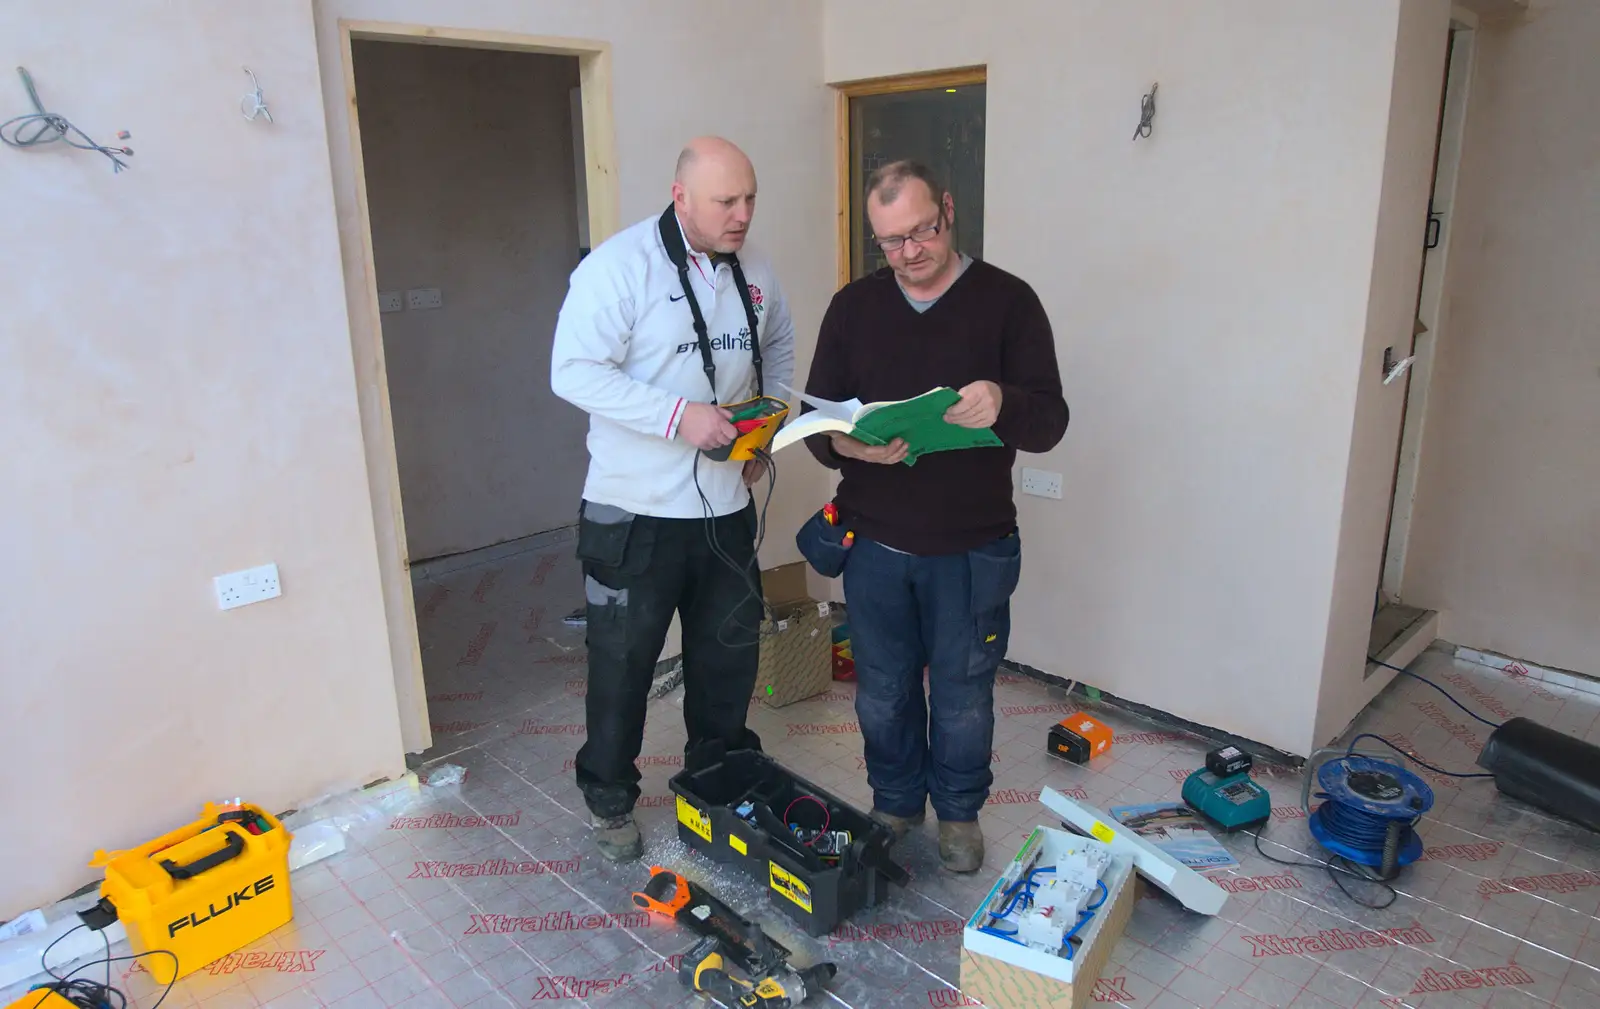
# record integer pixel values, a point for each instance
(727, 936)
(705, 970)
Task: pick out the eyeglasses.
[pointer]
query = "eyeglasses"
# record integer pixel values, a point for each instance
(920, 236)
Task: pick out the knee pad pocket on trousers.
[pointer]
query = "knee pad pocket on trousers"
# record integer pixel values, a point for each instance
(995, 569)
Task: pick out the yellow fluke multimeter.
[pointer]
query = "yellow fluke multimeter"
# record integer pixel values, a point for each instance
(756, 420)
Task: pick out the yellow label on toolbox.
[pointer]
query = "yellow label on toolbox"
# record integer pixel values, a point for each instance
(1102, 832)
(692, 818)
(737, 844)
(787, 884)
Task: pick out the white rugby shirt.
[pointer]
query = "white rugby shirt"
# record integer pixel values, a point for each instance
(625, 353)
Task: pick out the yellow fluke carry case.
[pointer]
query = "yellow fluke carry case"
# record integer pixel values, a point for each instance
(40, 998)
(202, 891)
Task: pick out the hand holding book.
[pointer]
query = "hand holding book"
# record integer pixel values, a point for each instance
(939, 420)
(979, 406)
(886, 455)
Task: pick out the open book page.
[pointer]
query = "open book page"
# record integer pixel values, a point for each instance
(825, 416)
(845, 411)
(918, 421)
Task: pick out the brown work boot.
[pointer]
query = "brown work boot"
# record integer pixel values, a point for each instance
(961, 845)
(899, 824)
(617, 837)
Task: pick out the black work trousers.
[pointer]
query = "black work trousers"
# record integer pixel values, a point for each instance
(637, 572)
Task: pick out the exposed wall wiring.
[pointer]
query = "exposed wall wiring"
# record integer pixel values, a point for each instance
(253, 104)
(37, 128)
(1147, 114)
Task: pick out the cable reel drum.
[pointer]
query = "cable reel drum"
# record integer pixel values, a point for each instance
(1369, 811)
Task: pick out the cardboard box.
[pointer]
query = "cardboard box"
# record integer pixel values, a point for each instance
(796, 653)
(1008, 975)
(999, 984)
(785, 583)
(796, 646)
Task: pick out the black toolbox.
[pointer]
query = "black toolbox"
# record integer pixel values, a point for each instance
(817, 890)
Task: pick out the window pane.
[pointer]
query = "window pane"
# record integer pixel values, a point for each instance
(942, 128)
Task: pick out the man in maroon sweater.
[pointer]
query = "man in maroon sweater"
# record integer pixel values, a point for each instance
(937, 554)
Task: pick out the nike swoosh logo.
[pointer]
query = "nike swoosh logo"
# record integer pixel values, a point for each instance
(678, 298)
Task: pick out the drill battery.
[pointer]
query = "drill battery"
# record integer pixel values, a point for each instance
(1078, 738)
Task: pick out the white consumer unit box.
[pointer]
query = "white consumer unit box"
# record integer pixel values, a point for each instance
(1044, 931)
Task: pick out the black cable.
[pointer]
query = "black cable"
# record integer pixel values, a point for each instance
(747, 572)
(1337, 866)
(1446, 693)
(1412, 756)
(1147, 114)
(87, 994)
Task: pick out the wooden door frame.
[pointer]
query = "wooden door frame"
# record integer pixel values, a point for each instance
(604, 203)
(846, 90)
(1431, 307)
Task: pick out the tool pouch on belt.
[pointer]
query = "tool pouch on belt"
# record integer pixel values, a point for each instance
(603, 535)
(823, 545)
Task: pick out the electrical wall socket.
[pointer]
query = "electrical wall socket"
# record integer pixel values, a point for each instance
(424, 297)
(241, 588)
(1041, 483)
(390, 301)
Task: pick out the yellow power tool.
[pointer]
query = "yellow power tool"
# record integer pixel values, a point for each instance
(705, 970)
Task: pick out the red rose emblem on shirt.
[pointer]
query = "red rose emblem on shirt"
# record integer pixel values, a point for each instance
(755, 294)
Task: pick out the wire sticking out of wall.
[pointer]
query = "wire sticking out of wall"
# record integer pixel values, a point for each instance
(1147, 114)
(38, 128)
(253, 104)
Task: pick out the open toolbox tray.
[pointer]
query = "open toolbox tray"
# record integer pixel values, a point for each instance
(819, 892)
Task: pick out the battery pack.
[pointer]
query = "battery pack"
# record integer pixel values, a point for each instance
(203, 890)
(1078, 738)
(1226, 761)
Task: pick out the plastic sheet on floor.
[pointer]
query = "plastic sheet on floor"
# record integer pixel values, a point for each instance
(484, 890)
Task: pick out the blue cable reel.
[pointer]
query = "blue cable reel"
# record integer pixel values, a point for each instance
(1369, 813)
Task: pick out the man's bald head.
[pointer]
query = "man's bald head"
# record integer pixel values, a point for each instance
(714, 192)
(711, 152)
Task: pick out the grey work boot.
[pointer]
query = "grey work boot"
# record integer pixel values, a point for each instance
(899, 824)
(961, 846)
(617, 837)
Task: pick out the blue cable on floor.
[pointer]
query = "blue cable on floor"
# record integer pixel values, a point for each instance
(1446, 693)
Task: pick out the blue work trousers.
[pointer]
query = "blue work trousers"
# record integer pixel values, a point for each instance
(950, 614)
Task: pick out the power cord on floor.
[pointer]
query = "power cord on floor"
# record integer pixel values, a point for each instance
(1446, 693)
(1416, 759)
(1337, 866)
(87, 994)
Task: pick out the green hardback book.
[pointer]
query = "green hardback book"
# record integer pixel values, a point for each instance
(919, 422)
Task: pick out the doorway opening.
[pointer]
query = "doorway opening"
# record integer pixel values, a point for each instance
(1401, 631)
(936, 118)
(484, 174)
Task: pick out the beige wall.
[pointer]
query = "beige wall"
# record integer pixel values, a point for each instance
(1419, 61)
(178, 403)
(1506, 537)
(1209, 289)
(470, 187)
(665, 89)
(185, 397)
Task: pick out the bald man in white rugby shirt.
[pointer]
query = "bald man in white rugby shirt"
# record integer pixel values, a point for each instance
(627, 353)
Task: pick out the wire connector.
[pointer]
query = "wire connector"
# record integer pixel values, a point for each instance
(99, 917)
